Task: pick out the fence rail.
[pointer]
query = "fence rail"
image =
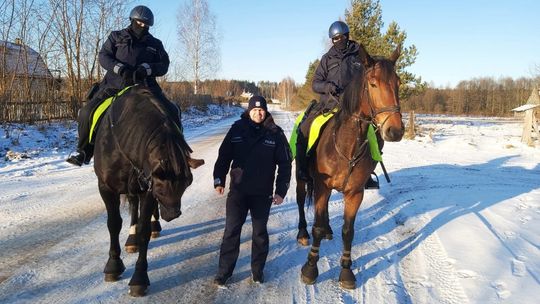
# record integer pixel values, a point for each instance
(31, 111)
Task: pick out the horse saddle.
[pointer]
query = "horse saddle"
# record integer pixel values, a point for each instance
(100, 110)
(314, 130)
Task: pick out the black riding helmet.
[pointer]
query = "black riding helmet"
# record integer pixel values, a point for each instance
(338, 28)
(143, 14)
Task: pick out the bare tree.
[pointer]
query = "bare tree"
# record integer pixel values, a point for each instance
(287, 89)
(200, 53)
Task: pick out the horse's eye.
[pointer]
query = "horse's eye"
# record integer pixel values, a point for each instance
(373, 82)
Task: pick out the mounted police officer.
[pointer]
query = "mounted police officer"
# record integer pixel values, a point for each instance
(255, 145)
(131, 55)
(334, 73)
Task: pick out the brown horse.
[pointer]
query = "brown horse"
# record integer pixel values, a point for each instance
(342, 159)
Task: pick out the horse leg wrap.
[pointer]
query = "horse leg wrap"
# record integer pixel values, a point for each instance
(313, 256)
(346, 260)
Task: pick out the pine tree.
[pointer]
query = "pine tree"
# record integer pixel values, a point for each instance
(364, 19)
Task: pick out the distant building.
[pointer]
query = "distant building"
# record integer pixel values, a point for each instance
(23, 73)
(246, 95)
(531, 113)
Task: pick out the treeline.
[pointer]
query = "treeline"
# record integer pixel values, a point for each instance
(479, 96)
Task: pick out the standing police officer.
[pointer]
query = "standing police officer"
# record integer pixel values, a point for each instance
(131, 55)
(334, 73)
(255, 145)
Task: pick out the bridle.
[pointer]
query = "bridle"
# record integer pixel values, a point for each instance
(361, 145)
(142, 174)
(395, 108)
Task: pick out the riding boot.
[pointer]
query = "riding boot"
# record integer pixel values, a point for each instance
(83, 156)
(301, 158)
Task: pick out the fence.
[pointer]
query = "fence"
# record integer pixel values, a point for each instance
(31, 111)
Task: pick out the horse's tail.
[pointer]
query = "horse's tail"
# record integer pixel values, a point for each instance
(304, 192)
(309, 196)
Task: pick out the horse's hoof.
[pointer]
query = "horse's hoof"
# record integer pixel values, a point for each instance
(131, 244)
(112, 277)
(309, 273)
(137, 290)
(302, 237)
(347, 285)
(131, 248)
(303, 241)
(113, 270)
(156, 229)
(307, 280)
(347, 279)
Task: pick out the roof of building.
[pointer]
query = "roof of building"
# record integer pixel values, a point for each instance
(534, 98)
(22, 60)
(525, 107)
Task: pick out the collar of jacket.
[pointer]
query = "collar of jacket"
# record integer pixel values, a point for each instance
(352, 49)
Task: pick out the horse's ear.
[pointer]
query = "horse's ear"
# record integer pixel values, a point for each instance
(366, 59)
(195, 163)
(396, 53)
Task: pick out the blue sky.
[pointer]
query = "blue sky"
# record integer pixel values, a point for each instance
(457, 40)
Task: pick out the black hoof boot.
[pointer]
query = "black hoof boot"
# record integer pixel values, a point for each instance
(156, 229)
(309, 273)
(131, 244)
(302, 237)
(347, 279)
(114, 269)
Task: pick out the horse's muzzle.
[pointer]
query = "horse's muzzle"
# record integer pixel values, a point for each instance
(169, 214)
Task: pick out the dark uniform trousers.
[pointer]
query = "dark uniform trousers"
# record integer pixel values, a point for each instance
(85, 120)
(237, 207)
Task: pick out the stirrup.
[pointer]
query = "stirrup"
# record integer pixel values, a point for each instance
(372, 183)
(78, 159)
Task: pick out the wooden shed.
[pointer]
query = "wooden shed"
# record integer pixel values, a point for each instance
(531, 125)
(23, 73)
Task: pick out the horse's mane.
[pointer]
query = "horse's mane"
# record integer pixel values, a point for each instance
(164, 133)
(349, 99)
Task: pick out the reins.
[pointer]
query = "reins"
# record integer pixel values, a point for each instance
(362, 144)
(144, 179)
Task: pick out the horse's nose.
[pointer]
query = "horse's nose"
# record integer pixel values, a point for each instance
(393, 134)
(169, 214)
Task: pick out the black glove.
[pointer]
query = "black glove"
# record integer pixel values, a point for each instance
(332, 89)
(127, 74)
(140, 74)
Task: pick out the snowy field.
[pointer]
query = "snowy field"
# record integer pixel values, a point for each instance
(458, 224)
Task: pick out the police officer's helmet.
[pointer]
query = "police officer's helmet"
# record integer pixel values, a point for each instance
(143, 14)
(338, 28)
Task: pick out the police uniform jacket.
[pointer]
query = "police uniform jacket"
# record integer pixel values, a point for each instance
(338, 67)
(124, 48)
(254, 150)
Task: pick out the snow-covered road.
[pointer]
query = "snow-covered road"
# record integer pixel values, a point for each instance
(459, 223)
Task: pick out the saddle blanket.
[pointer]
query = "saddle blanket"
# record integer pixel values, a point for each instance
(315, 130)
(102, 108)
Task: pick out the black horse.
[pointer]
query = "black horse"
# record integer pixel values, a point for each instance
(140, 151)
